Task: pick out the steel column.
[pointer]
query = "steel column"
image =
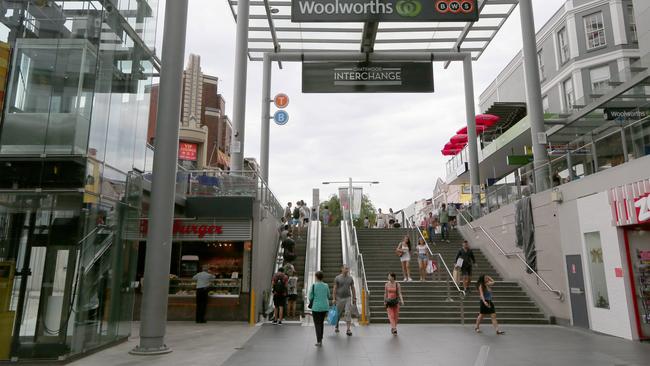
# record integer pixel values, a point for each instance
(159, 241)
(239, 102)
(534, 95)
(472, 145)
(266, 117)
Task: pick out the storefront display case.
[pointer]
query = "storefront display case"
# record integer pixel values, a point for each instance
(219, 288)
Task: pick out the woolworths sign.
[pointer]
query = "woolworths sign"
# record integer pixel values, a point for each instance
(384, 10)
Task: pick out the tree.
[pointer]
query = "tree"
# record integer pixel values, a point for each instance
(334, 206)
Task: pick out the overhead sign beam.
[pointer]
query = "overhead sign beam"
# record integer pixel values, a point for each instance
(369, 36)
(384, 11)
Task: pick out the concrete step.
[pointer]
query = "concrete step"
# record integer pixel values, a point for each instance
(469, 320)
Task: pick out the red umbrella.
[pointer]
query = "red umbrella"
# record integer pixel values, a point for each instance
(459, 139)
(446, 152)
(479, 129)
(487, 119)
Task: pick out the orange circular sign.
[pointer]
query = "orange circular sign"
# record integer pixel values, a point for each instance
(281, 100)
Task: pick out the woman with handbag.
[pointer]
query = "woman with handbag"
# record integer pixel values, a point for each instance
(319, 303)
(403, 251)
(392, 300)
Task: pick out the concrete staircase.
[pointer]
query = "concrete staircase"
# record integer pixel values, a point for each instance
(426, 302)
(331, 254)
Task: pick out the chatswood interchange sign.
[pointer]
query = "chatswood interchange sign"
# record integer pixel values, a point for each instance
(384, 10)
(367, 77)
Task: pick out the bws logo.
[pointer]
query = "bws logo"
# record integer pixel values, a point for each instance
(454, 6)
(408, 8)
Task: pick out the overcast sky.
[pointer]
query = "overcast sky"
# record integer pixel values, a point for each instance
(392, 138)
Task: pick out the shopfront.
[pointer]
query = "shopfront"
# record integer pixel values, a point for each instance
(224, 246)
(631, 213)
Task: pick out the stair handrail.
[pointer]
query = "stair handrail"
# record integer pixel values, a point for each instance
(413, 227)
(365, 290)
(279, 262)
(462, 213)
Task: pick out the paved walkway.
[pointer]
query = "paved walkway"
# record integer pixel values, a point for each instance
(193, 345)
(434, 345)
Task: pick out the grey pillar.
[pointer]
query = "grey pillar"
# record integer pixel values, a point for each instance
(266, 118)
(239, 102)
(534, 95)
(624, 144)
(159, 240)
(474, 175)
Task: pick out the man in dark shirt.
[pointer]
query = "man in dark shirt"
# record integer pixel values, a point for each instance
(289, 247)
(467, 255)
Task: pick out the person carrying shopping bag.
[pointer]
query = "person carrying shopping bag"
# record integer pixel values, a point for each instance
(392, 300)
(319, 301)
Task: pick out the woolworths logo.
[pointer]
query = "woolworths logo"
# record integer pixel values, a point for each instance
(344, 8)
(408, 8)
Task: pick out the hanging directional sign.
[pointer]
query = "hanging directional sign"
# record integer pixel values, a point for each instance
(384, 10)
(281, 100)
(281, 118)
(367, 77)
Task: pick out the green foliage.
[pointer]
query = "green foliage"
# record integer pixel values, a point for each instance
(334, 205)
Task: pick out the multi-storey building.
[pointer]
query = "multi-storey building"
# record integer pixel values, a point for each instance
(581, 50)
(72, 157)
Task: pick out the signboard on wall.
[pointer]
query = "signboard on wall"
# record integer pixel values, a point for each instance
(187, 151)
(630, 203)
(367, 77)
(642, 208)
(196, 230)
(384, 11)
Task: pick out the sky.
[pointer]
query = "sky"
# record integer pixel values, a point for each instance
(391, 138)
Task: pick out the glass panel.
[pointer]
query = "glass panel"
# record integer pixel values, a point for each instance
(638, 139)
(610, 151)
(596, 270)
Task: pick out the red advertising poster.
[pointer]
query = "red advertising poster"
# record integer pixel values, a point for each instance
(187, 151)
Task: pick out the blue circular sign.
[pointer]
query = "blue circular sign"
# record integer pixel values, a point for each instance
(281, 118)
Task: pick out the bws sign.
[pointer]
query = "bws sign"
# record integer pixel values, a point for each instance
(384, 10)
(367, 77)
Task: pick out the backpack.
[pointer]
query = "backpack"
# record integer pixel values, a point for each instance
(279, 287)
(296, 213)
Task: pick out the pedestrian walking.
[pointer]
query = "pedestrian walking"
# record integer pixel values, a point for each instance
(345, 297)
(287, 213)
(292, 293)
(452, 213)
(391, 218)
(464, 262)
(279, 285)
(289, 246)
(366, 223)
(381, 220)
(295, 216)
(392, 301)
(325, 215)
(430, 220)
(319, 302)
(443, 218)
(422, 252)
(484, 285)
(403, 251)
(314, 214)
(203, 280)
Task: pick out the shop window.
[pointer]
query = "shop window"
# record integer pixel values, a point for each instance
(596, 267)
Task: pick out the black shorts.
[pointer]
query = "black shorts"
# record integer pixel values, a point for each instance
(292, 297)
(279, 301)
(466, 271)
(487, 310)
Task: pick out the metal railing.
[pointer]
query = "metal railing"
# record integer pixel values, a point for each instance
(279, 262)
(354, 259)
(410, 225)
(517, 255)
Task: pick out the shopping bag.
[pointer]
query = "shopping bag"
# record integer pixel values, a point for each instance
(333, 316)
(456, 275)
(459, 262)
(431, 267)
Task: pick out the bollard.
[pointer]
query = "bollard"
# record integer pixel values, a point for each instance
(364, 321)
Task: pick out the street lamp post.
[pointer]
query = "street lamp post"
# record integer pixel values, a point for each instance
(351, 189)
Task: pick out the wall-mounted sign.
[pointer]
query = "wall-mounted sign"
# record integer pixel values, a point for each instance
(630, 203)
(281, 101)
(384, 10)
(196, 230)
(187, 151)
(625, 114)
(281, 118)
(519, 159)
(367, 77)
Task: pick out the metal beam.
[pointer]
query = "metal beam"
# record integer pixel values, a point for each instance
(468, 27)
(369, 36)
(300, 56)
(274, 37)
(353, 41)
(404, 51)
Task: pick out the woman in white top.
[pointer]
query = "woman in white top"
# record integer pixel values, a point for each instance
(403, 251)
(423, 258)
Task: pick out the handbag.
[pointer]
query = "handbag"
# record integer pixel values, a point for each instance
(391, 303)
(399, 252)
(430, 267)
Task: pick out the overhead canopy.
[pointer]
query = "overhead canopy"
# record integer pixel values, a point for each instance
(271, 30)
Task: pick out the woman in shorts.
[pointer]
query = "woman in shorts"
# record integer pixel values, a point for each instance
(292, 293)
(484, 285)
(403, 250)
(423, 258)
